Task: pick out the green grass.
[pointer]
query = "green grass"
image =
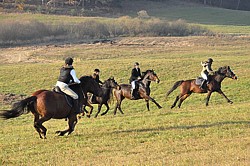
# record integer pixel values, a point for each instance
(193, 135)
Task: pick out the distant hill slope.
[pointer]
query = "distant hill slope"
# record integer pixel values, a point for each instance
(191, 12)
(164, 9)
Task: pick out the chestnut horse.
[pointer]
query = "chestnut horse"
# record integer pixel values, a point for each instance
(143, 91)
(189, 86)
(45, 104)
(106, 88)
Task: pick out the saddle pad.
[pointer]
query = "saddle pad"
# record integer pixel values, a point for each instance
(199, 80)
(69, 99)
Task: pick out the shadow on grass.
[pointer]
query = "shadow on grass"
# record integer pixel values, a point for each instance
(184, 127)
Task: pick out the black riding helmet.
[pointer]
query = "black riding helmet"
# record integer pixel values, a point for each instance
(210, 60)
(136, 64)
(69, 61)
(97, 70)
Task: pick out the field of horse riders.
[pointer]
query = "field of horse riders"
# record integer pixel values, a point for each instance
(194, 134)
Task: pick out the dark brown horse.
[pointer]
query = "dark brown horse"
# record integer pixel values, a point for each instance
(189, 86)
(143, 91)
(45, 104)
(106, 88)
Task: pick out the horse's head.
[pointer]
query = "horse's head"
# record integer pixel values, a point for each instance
(151, 75)
(225, 70)
(90, 85)
(111, 83)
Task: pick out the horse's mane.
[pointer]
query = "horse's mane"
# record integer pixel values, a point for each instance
(83, 78)
(221, 68)
(145, 72)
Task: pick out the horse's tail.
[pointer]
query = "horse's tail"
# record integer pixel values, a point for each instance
(176, 84)
(19, 108)
(111, 96)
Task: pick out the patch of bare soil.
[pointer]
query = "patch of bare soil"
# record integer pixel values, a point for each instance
(10, 98)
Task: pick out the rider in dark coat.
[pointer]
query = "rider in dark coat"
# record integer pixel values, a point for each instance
(96, 77)
(135, 76)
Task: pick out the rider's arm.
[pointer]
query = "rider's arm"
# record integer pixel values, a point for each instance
(209, 69)
(203, 64)
(73, 74)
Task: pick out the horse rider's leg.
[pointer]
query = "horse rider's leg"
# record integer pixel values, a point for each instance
(220, 92)
(183, 98)
(208, 97)
(147, 104)
(39, 123)
(99, 109)
(106, 104)
(36, 126)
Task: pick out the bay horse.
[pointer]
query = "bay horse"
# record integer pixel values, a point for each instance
(143, 91)
(188, 87)
(45, 105)
(106, 88)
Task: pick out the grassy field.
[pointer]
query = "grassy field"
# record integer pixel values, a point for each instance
(193, 135)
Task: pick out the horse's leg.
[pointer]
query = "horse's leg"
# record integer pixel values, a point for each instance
(176, 100)
(183, 98)
(220, 92)
(36, 118)
(208, 97)
(91, 109)
(72, 122)
(147, 104)
(39, 123)
(146, 97)
(99, 109)
(119, 105)
(106, 104)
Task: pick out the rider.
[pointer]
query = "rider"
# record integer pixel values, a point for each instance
(96, 77)
(68, 75)
(135, 76)
(206, 71)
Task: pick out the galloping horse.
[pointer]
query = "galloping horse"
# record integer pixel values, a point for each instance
(143, 91)
(45, 104)
(106, 88)
(189, 86)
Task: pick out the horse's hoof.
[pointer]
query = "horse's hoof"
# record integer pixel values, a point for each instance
(59, 133)
(172, 107)
(88, 116)
(160, 107)
(231, 102)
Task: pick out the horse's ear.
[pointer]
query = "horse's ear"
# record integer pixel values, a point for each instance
(111, 78)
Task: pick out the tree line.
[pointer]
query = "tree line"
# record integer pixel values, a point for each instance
(229, 4)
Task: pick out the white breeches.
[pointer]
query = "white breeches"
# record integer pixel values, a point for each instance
(204, 76)
(133, 84)
(65, 88)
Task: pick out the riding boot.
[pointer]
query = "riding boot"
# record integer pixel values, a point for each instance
(203, 84)
(76, 106)
(134, 94)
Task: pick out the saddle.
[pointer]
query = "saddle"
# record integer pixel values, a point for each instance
(68, 98)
